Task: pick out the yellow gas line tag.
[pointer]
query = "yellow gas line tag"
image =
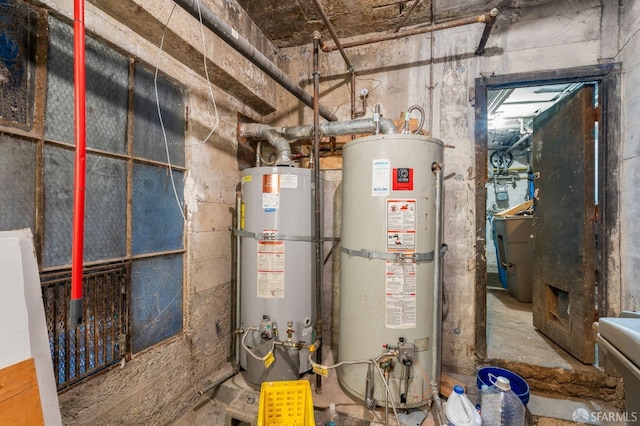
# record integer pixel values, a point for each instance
(321, 370)
(269, 360)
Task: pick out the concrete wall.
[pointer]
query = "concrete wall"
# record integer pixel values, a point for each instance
(160, 383)
(629, 42)
(398, 74)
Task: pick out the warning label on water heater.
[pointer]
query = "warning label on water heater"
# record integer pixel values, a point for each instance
(270, 192)
(402, 179)
(401, 225)
(400, 298)
(270, 273)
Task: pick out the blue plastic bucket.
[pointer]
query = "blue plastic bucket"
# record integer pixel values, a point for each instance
(488, 375)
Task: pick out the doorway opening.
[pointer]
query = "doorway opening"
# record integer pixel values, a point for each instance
(543, 141)
(513, 115)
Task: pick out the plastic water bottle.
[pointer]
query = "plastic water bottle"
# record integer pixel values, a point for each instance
(333, 416)
(500, 406)
(460, 411)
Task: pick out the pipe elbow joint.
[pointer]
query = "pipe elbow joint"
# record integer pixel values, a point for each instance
(370, 403)
(273, 137)
(387, 126)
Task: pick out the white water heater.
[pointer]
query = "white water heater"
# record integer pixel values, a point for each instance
(277, 282)
(388, 282)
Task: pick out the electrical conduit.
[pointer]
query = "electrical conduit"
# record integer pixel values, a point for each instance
(76, 309)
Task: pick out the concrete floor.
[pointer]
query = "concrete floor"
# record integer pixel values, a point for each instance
(510, 330)
(235, 403)
(512, 336)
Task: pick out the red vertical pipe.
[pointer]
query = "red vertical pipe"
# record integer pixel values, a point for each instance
(76, 311)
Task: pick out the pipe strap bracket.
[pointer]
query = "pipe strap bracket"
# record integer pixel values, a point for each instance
(274, 236)
(394, 257)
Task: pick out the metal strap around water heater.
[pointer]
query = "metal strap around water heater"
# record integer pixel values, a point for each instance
(273, 236)
(396, 257)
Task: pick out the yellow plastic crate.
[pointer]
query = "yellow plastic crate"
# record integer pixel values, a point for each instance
(286, 403)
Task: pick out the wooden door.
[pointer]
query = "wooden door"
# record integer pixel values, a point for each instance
(564, 223)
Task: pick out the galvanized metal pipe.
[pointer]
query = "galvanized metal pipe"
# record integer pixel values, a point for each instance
(340, 128)
(485, 17)
(236, 325)
(436, 354)
(212, 385)
(280, 137)
(487, 30)
(437, 410)
(519, 142)
(246, 49)
(317, 203)
(271, 135)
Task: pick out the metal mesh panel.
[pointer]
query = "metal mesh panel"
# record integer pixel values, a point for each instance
(156, 300)
(105, 207)
(107, 81)
(18, 177)
(17, 63)
(157, 221)
(100, 341)
(148, 139)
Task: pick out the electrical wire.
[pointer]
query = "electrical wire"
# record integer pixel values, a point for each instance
(349, 86)
(155, 87)
(164, 132)
(329, 367)
(371, 79)
(206, 72)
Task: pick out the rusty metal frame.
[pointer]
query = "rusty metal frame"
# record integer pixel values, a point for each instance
(110, 321)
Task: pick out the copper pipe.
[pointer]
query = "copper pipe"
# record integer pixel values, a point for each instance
(334, 36)
(353, 95)
(485, 17)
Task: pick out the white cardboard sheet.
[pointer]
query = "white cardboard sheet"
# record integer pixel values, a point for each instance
(24, 314)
